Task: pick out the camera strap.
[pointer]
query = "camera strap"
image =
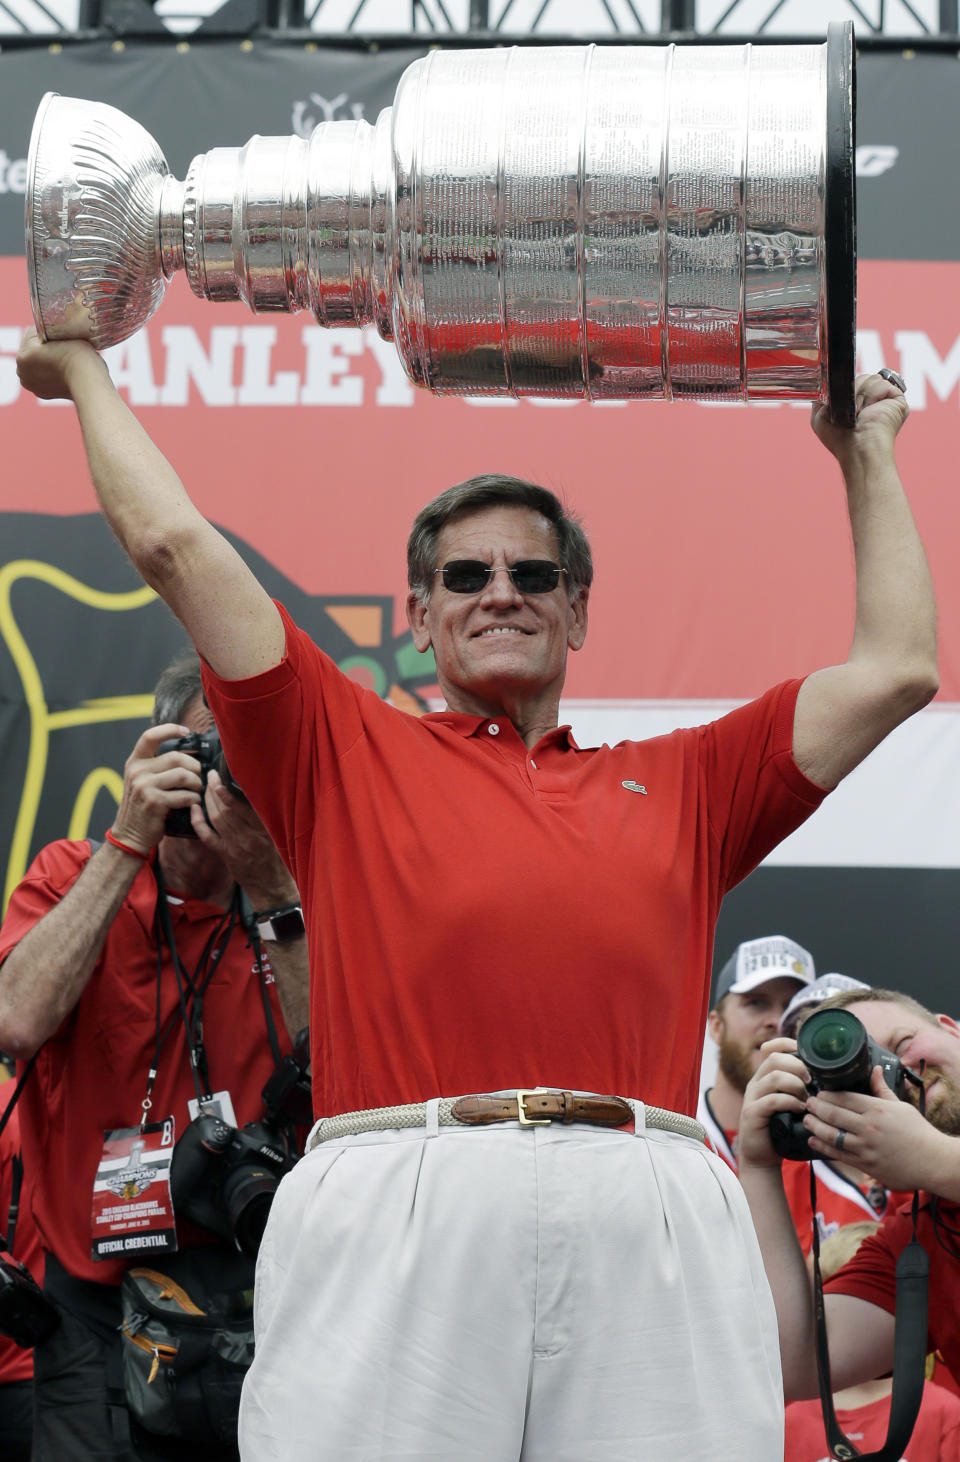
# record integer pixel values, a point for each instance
(190, 987)
(15, 1097)
(13, 1213)
(909, 1348)
(7, 1239)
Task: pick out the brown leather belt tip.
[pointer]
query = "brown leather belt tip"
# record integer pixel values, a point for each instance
(536, 1108)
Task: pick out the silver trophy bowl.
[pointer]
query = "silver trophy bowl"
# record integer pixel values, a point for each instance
(629, 223)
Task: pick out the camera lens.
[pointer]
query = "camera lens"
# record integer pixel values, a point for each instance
(834, 1047)
(832, 1038)
(248, 1195)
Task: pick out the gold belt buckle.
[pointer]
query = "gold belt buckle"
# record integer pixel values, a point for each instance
(526, 1121)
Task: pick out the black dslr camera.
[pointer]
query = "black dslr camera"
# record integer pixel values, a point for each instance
(840, 1055)
(26, 1315)
(206, 747)
(224, 1178)
(288, 1095)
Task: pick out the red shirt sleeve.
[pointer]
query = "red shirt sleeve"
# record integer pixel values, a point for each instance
(55, 869)
(756, 794)
(871, 1273)
(285, 732)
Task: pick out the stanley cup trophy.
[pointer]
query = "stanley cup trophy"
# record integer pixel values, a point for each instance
(652, 222)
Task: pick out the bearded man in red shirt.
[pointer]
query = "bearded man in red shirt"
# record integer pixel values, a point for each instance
(905, 1150)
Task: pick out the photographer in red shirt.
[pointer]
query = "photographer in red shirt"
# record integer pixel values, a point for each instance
(131, 969)
(16, 1361)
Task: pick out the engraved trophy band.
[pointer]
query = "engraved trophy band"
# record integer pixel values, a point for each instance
(643, 222)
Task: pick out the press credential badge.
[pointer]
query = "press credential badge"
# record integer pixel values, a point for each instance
(132, 1204)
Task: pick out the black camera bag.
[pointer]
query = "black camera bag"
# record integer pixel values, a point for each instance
(187, 1343)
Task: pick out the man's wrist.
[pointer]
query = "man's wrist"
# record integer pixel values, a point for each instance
(941, 1168)
(124, 843)
(747, 1166)
(264, 898)
(859, 459)
(280, 925)
(82, 365)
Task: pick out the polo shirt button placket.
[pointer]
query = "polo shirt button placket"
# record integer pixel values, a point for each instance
(493, 729)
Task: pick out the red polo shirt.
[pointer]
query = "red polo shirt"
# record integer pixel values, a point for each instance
(935, 1438)
(482, 916)
(871, 1273)
(91, 1075)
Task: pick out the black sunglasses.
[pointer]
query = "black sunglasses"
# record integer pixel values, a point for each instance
(471, 576)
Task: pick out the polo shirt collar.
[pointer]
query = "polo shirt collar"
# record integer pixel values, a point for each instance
(466, 726)
(194, 910)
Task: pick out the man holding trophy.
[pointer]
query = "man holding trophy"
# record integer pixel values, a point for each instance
(486, 912)
(507, 1237)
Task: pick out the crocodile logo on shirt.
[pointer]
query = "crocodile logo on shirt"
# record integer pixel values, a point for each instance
(631, 786)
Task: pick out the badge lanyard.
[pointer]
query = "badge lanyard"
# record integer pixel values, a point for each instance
(132, 1207)
(240, 911)
(195, 983)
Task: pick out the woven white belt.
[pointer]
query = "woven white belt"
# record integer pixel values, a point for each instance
(414, 1114)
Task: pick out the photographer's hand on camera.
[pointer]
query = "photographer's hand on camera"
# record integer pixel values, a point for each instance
(777, 1085)
(884, 1137)
(152, 787)
(44, 976)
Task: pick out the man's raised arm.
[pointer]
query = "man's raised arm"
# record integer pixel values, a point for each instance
(228, 615)
(844, 711)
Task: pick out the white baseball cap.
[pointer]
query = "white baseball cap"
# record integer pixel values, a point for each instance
(809, 997)
(756, 961)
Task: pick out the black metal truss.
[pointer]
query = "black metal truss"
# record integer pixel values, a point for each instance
(480, 22)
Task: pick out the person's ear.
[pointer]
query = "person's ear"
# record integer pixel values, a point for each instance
(577, 632)
(417, 620)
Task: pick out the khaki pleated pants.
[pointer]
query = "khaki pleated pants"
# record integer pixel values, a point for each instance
(512, 1294)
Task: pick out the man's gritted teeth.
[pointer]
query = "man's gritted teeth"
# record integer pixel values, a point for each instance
(501, 629)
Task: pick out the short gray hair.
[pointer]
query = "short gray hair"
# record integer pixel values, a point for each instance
(490, 490)
(179, 684)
